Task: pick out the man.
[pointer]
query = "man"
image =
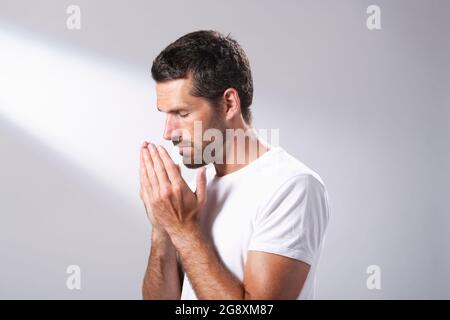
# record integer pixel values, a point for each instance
(254, 228)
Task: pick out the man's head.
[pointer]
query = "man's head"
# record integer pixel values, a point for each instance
(203, 76)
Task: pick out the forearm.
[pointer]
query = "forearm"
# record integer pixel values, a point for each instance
(161, 280)
(209, 277)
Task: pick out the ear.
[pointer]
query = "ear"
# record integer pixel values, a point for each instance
(232, 103)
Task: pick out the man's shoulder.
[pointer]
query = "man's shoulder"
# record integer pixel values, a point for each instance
(289, 183)
(284, 168)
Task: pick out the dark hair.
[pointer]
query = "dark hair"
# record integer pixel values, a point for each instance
(215, 63)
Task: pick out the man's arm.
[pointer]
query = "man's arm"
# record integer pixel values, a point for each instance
(266, 275)
(176, 208)
(162, 278)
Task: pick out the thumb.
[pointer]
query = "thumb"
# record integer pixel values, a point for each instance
(201, 186)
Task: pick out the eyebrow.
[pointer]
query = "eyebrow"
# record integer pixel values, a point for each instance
(176, 109)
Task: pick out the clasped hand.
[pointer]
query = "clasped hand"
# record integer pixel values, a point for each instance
(170, 203)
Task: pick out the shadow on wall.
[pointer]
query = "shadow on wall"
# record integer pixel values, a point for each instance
(51, 212)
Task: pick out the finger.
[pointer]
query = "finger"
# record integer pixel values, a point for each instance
(144, 145)
(150, 170)
(144, 194)
(158, 165)
(173, 171)
(145, 182)
(200, 192)
(141, 157)
(142, 169)
(146, 187)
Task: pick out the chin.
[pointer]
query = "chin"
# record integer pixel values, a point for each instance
(190, 163)
(194, 165)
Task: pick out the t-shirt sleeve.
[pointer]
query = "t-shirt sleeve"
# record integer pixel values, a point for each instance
(292, 223)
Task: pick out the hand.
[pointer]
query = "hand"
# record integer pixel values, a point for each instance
(144, 195)
(169, 201)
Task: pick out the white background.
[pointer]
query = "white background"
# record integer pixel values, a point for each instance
(368, 110)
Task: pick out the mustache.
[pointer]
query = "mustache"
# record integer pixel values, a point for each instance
(178, 143)
(176, 140)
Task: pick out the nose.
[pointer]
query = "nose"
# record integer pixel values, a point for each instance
(170, 128)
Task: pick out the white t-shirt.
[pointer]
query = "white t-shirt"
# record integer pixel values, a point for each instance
(275, 204)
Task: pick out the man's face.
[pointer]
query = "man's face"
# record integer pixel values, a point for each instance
(182, 111)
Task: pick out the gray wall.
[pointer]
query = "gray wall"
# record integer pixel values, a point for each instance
(368, 110)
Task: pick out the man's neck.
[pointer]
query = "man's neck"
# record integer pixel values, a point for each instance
(252, 149)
